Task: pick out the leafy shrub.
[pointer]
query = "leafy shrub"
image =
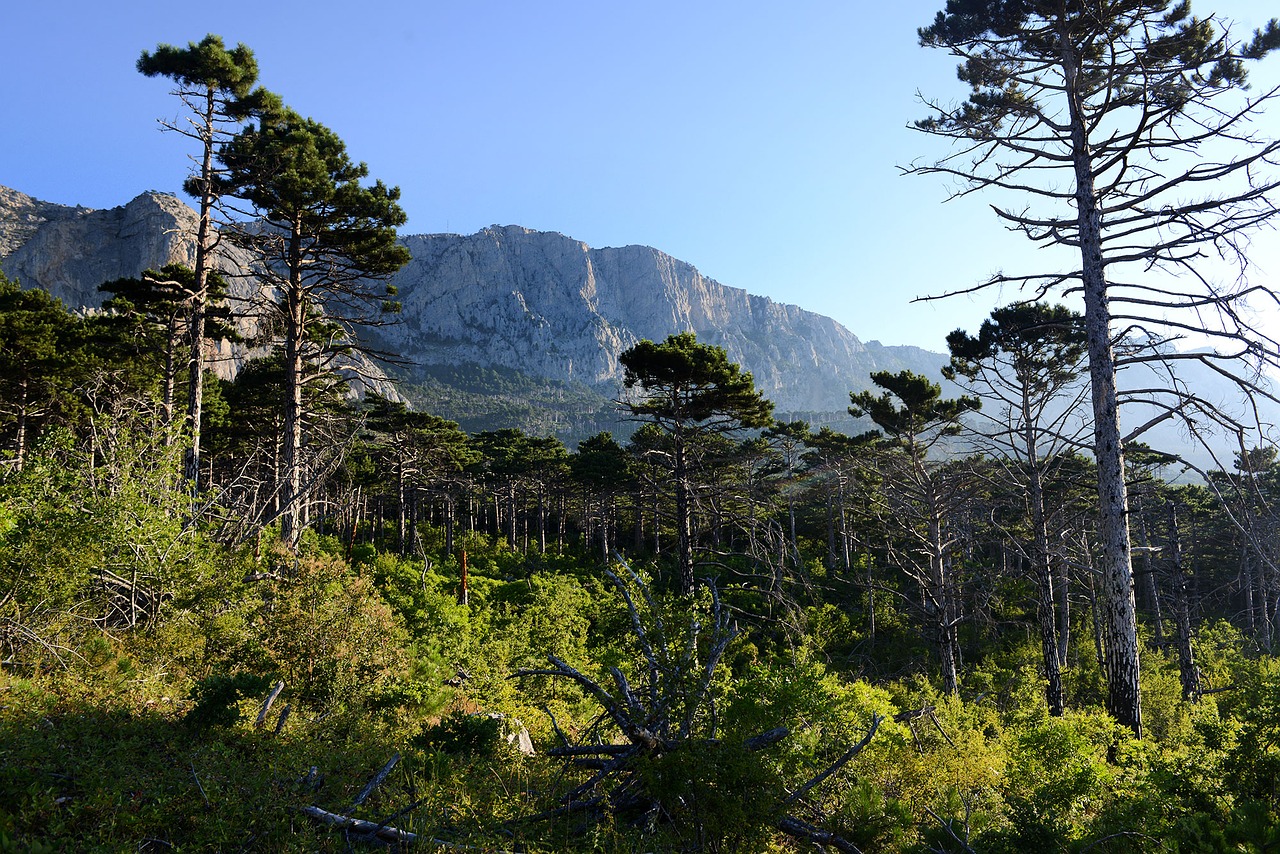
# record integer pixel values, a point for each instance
(217, 698)
(463, 734)
(1056, 779)
(330, 635)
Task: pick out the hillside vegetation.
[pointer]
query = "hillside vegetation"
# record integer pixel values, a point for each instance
(144, 628)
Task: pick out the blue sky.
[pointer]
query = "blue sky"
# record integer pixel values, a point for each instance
(758, 141)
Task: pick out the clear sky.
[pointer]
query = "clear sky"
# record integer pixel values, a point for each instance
(758, 141)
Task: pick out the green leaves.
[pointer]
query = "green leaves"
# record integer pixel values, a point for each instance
(1043, 345)
(688, 383)
(207, 64)
(922, 405)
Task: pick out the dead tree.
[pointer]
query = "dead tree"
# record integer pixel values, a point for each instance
(670, 709)
(1123, 135)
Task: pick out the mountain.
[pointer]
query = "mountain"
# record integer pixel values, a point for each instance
(554, 308)
(507, 327)
(70, 251)
(517, 328)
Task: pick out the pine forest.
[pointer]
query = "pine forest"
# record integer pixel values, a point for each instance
(267, 612)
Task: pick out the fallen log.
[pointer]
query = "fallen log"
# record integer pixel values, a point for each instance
(368, 828)
(798, 829)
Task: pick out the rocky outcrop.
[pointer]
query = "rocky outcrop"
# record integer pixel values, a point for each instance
(539, 303)
(552, 307)
(70, 251)
(22, 216)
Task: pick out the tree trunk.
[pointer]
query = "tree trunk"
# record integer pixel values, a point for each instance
(832, 556)
(295, 335)
(170, 376)
(638, 509)
(942, 602)
(1187, 670)
(542, 520)
(684, 522)
(401, 506)
(448, 525)
(1049, 641)
(513, 529)
(1264, 598)
(1246, 581)
(1124, 699)
(1099, 650)
(24, 394)
(1149, 583)
(204, 249)
(1043, 572)
(1063, 591)
(604, 531)
(871, 597)
(845, 557)
(561, 521)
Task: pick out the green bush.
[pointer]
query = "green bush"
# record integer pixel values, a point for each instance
(217, 698)
(463, 734)
(330, 635)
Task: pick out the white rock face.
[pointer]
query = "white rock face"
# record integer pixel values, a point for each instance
(536, 302)
(70, 251)
(552, 307)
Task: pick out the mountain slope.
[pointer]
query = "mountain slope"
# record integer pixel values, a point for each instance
(554, 308)
(546, 312)
(517, 328)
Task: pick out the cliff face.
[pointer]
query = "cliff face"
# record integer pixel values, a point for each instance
(539, 303)
(552, 307)
(70, 251)
(538, 306)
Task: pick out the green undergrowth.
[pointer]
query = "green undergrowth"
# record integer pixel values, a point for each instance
(147, 738)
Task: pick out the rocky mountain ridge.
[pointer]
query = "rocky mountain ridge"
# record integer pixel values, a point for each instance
(538, 304)
(69, 251)
(553, 307)
(511, 327)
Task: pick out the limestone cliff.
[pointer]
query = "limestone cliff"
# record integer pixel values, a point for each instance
(552, 307)
(70, 251)
(537, 303)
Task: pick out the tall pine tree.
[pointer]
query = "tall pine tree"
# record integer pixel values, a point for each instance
(325, 244)
(692, 392)
(216, 86)
(1109, 128)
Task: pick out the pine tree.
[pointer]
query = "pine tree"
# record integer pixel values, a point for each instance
(915, 418)
(1027, 361)
(692, 392)
(40, 360)
(216, 85)
(155, 310)
(326, 244)
(1111, 123)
